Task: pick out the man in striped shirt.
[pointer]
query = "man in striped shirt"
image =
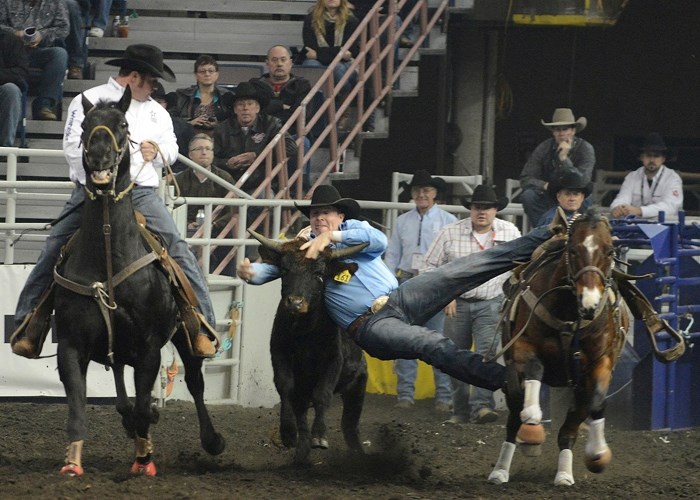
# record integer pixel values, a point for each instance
(473, 316)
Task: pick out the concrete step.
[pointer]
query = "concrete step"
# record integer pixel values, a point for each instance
(258, 8)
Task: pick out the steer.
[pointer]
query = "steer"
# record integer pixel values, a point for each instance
(311, 357)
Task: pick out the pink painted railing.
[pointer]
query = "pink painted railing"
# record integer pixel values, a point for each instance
(368, 65)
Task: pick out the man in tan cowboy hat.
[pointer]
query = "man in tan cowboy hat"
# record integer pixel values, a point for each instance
(564, 152)
(412, 234)
(569, 192)
(392, 328)
(651, 188)
(471, 318)
(154, 144)
(239, 139)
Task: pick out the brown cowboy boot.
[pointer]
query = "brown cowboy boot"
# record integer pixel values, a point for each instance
(28, 338)
(203, 347)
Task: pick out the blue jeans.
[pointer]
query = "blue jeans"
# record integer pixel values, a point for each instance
(338, 73)
(474, 322)
(101, 13)
(158, 220)
(75, 41)
(11, 105)
(395, 332)
(52, 63)
(406, 370)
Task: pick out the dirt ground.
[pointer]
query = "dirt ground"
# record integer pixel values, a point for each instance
(409, 454)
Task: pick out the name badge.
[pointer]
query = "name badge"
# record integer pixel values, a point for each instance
(343, 277)
(417, 261)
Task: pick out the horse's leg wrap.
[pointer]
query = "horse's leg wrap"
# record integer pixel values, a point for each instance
(565, 474)
(501, 471)
(144, 447)
(28, 339)
(531, 432)
(598, 454)
(73, 460)
(531, 413)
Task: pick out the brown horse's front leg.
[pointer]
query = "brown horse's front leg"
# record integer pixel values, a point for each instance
(597, 453)
(531, 431)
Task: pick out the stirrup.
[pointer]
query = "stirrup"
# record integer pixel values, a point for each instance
(28, 338)
(654, 325)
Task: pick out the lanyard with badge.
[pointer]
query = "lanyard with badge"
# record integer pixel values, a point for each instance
(653, 187)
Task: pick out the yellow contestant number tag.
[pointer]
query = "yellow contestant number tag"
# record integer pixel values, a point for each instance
(343, 277)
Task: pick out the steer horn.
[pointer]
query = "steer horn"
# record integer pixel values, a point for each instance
(341, 253)
(272, 245)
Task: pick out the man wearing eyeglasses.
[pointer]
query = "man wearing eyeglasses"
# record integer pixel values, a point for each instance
(653, 187)
(152, 145)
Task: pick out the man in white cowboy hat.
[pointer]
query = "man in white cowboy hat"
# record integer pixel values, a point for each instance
(569, 192)
(472, 317)
(152, 145)
(653, 187)
(412, 234)
(564, 152)
(239, 139)
(391, 328)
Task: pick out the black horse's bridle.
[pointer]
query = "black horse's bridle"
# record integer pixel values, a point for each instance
(120, 150)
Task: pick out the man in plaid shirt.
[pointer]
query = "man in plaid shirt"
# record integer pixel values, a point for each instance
(473, 316)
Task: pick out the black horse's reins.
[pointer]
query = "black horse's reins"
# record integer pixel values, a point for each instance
(96, 290)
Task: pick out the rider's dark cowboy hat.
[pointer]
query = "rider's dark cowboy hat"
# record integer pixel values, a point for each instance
(144, 58)
(572, 181)
(653, 143)
(485, 195)
(423, 178)
(328, 196)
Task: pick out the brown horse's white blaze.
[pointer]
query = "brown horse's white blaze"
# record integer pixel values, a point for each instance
(565, 343)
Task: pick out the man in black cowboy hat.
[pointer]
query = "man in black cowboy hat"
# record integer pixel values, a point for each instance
(563, 152)
(151, 131)
(569, 192)
(242, 137)
(390, 327)
(472, 317)
(412, 234)
(653, 187)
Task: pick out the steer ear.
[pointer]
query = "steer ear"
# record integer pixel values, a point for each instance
(270, 256)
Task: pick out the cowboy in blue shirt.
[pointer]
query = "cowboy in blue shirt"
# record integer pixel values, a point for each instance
(394, 331)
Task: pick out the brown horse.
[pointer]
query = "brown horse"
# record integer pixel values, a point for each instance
(567, 328)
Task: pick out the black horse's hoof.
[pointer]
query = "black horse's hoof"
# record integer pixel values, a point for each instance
(214, 446)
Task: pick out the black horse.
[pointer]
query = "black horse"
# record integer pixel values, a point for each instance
(114, 305)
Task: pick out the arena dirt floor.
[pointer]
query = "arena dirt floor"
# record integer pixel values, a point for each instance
(409, 454)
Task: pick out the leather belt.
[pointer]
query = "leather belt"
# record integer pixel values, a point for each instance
(358, 322)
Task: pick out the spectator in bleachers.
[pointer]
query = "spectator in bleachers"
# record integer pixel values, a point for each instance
(198, 108)
(651, 188)
(195, 184)
(552, 158)
(47, 63)
(14, 69)
(99, 10)
(326, 29)
(240, 139)
(287, 91)
(75, 41)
